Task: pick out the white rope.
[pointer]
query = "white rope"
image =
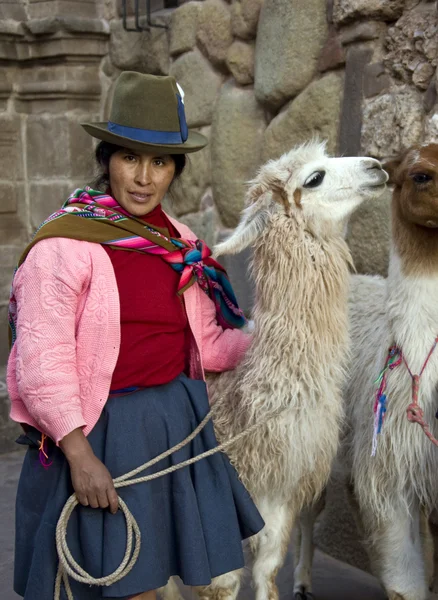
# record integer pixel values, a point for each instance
(68, 567)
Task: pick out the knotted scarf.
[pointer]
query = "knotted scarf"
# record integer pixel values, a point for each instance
(93, 216)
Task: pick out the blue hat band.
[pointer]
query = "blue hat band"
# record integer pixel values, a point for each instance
(152, 136)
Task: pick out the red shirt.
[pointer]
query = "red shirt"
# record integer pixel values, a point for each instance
(152, 316)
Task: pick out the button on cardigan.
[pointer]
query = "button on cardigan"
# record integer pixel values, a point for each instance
(68, 336)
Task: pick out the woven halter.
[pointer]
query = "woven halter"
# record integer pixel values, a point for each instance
(414, 412)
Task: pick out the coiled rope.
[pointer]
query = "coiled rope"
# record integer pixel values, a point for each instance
(68, 567)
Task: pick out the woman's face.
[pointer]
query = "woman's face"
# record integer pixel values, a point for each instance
(139, 180)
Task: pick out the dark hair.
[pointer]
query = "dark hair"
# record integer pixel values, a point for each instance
(103, 153)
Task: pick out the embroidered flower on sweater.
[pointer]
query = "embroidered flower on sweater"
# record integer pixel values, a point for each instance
(35, 397)
(58, 297)
(34, 331)
(61, 358)
(97, 304)
(69, 405)
(88, 372)
(45, 407)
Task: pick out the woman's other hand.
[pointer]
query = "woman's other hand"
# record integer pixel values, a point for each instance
(92, 482)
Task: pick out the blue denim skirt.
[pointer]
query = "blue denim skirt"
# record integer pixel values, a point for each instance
(192, 521)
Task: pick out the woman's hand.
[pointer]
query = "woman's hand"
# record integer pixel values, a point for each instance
(92, 482)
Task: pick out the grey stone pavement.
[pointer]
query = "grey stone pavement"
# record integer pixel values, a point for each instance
(333, 580)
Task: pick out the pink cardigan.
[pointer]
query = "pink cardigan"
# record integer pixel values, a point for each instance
(68, 336)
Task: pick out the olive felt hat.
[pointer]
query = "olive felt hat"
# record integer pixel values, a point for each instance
(147, 114)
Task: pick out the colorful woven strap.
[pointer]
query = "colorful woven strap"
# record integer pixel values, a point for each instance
(102, 220)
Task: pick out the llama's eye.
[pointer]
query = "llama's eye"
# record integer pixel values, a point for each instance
(421, 177)
(315, 179)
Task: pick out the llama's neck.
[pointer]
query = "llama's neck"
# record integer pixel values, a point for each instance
(412, 308)
(416, 246)
(301, 295)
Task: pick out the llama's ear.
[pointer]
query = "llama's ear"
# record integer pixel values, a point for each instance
(391, 167)
(252, 223)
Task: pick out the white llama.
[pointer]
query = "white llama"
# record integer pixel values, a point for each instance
(395, 490)
(297, 207)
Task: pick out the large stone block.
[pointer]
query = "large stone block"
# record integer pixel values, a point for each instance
(10, 255)
(431, 96)
(73, 24)
(236, 142)
(56, 88)
(376, 80)
(8, 197)
(201, 84)
(108, 88)
(244, 18)
(333, 54)
(291, 35)
(412, 46)
(46, 198)
(81, 146)
(11, 28)
(13, 9)
(59, 104)
(369, 236)
(392, 121)
(5, 91)
(46, 76)
(147, 52)
(362, 31)
(431, 128)
(214, 31)
(106, 9)
(8, 50)
(183, 27)
(345, 11)
(108, 69)
(240, 62)
(12, 155)
(422, 75)
(203, 223)
(47, 8)
(13, 223)
(13, 226)
(316, 110)
(358, 58)
(187, 191)
(48, 147)
(89, 45)
(11, 32)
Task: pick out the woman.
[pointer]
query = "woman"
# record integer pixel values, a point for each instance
(116, 312)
